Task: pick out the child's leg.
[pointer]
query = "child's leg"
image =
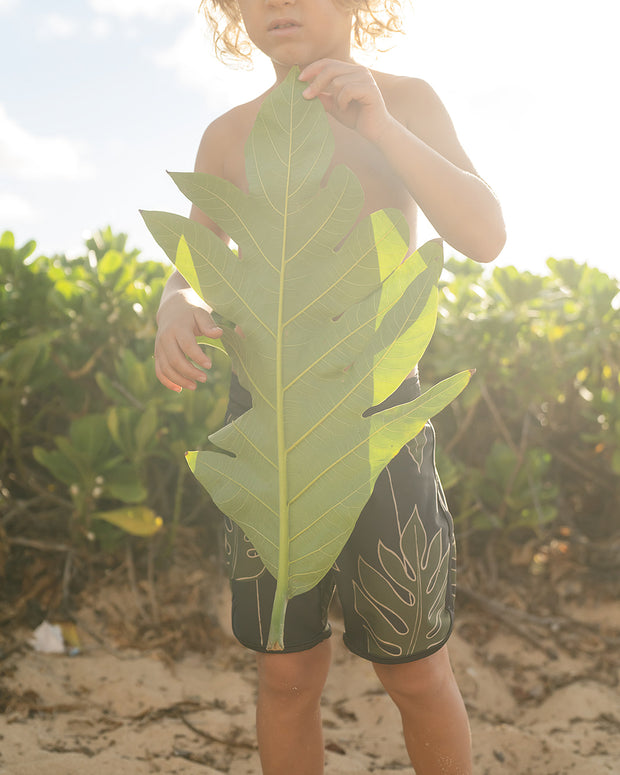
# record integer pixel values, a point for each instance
(434, 718)
(288, 718)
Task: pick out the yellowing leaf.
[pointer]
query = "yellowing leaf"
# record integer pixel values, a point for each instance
(136, 520)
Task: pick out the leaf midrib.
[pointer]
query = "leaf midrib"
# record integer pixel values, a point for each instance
(283, 549)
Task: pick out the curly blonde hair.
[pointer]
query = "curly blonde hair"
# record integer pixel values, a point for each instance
(371, 20)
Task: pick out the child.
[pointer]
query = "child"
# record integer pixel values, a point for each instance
(395, 134)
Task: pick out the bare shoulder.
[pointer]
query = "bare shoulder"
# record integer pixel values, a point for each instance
(224, 139)
(221, 151)
(414, 103)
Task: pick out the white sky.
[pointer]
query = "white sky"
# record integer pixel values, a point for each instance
(99, 97)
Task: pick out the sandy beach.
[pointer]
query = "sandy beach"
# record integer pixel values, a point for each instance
(184, 704)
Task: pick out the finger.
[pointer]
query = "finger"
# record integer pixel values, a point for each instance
(175, 379)
(206, 325)
(313, 69)
(320, 65)
(167, 382)
(321, 80)
(168, 379)
(185, 355)
(212, 331)
(351, 93)
(190, 348)
(171, 362)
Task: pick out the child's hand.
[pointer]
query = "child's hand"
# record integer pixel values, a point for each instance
(182, 318)
(349, 93)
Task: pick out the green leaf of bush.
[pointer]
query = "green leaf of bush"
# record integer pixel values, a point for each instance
(122, 482)
(61, 467)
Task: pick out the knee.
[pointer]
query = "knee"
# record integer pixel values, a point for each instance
(416, 682)
(293, 677)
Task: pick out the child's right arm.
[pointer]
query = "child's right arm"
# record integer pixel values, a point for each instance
(183, 315)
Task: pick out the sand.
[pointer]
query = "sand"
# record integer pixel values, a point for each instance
(118, 710)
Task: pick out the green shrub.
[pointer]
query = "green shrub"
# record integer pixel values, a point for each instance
(86, 430)
(536, 436)
(91, 445)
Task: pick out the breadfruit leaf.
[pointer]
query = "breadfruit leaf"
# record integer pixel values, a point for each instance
(333, 318)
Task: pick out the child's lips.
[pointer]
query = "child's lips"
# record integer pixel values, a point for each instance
(283, 26)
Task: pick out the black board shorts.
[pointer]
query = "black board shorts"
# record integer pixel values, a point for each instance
(395, 576)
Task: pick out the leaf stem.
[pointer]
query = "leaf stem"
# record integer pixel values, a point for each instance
(276, 629)
(275, 640)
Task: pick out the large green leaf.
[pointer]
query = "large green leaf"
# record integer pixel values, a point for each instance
(333, 321)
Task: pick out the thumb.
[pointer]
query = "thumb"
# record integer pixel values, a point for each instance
(207, 326)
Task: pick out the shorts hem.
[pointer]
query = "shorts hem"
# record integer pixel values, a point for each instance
(402, 659)
(287, 649)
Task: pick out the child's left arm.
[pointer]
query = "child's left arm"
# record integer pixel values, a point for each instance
(421, 146)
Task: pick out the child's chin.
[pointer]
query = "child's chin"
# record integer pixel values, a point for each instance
(291, 61)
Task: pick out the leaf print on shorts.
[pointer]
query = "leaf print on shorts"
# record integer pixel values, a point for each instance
(408, 595)
(241, 558)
